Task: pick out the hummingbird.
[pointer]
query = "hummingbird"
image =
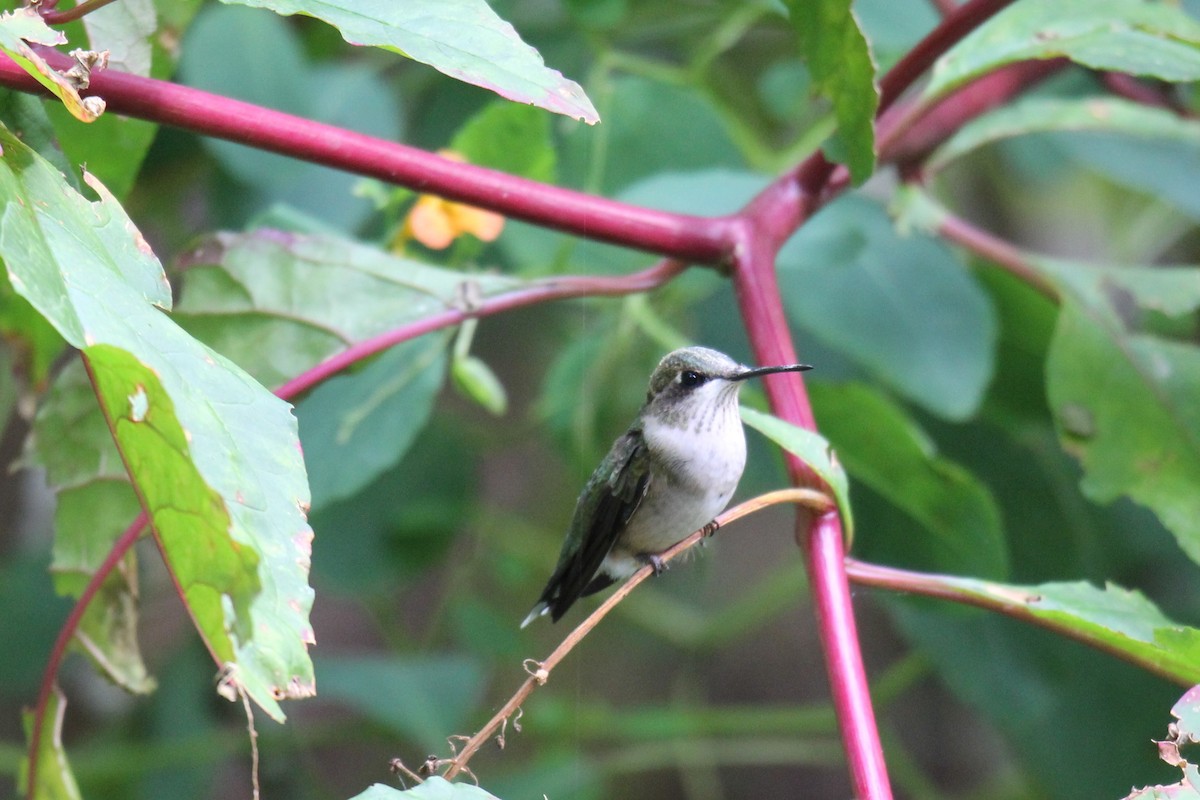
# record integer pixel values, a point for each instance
(670, 474)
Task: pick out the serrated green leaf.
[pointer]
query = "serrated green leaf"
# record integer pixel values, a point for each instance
(214, 456)
(54, 779)
(884, 449)
(460, 38)
(1153, 39)
(1119, 621)
(843, 70)
(435, 788)
(901, 305)
(814, 450)
(511, 138)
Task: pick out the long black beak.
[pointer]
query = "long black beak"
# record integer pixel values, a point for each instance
(754, 373)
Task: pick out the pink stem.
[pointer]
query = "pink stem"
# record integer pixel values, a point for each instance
(543, 291)
(67, 632)
(688, 238)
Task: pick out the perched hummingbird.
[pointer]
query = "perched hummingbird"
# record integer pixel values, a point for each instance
(670, 474)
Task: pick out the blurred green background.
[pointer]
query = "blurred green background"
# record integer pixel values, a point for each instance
(708, 683)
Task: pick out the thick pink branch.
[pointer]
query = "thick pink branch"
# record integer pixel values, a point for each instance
(694, 239)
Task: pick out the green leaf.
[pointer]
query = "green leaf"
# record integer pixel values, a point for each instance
(435, 788)
(215, 458)
(900, 305)
(641, 115)
(1123, 398)
(1147, 149)
(124, 29)
(25, 25)
(258, 57)
(813, 449)
(279, 303)
(354, 427)
(843, 70)
(421, 698)
(460, 38)
(1152, 39)
(1187, 711)
(960, 527)
(1116, 620)
(54, 779)
(1125, 405)
(511, 138)
(1081, 114)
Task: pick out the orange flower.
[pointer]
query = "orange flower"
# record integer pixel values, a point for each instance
(436, 222)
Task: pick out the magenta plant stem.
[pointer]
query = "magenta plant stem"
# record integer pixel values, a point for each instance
(939, 586)
(542, 291)
(689, 238)
(67, 632)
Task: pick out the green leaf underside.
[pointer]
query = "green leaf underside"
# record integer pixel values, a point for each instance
(843, 70)
(280, 303)
(896, 459)
(460, 38)
(813, 450)
(1118, 620)
(1092, 114)
(214, 457)
(354, 427)
(54, 779)
(1107, 369)
(1104, 371)
(1155, 40)
(899, 305)
(435, 788)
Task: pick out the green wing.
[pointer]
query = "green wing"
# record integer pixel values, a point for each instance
(602, 512)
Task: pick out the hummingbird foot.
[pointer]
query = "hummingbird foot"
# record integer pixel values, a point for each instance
(654, 560)
(710, 529)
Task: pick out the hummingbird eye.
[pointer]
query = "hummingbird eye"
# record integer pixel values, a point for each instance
(691, 378)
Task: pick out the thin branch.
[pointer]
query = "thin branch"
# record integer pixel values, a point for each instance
(938, 586)
(558, 288)
(957, 24)
(996, 250)
(67, 632)
(538, 676)
(72, 14)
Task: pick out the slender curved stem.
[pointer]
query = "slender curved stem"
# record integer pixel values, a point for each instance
(689, 238)
(1010, 604)
(558, 288)
(538, 677)
(66, 633)
(71, 14)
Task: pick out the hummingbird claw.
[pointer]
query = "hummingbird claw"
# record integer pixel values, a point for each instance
(656, 561)
(710, 529)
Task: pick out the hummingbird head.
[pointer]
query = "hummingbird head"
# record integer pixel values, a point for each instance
(698, 376)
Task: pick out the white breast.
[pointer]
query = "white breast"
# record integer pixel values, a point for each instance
(694, 471)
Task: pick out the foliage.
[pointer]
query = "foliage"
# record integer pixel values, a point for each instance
(1004, 323)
